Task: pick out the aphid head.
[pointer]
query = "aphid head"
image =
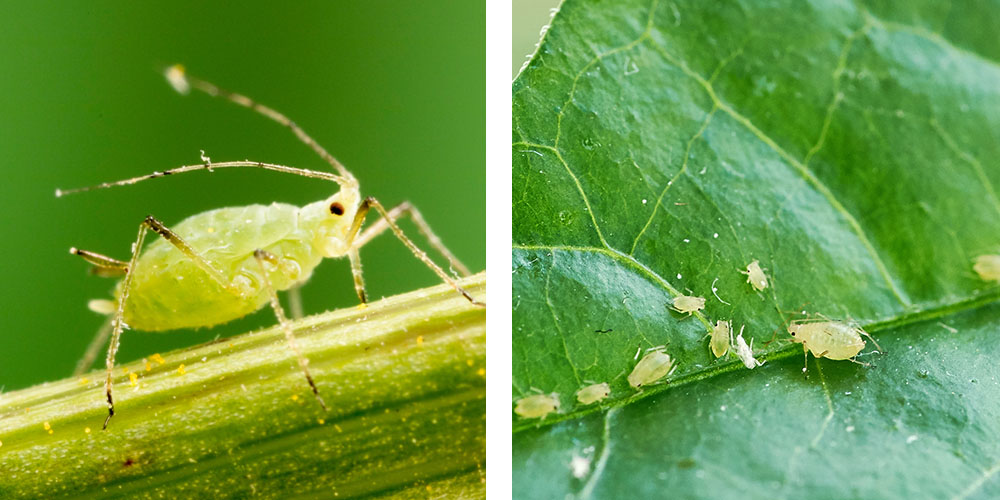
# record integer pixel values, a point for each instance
(793, 330)
(332, 221)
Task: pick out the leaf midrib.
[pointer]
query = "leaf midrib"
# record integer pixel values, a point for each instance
(786, 351)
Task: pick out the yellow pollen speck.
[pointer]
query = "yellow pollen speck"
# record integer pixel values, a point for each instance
(429, 488)
(295, 397)
(321, 421)
(230, 344)
(86, 430)
(132, 377)
(84, 381)
(469, 362)
(48, 427)
(181, 370)
(159, 359)
(1, 443)
(125, 370)
(148, 365)
(481, 372)
(420, 340)
(210, 230)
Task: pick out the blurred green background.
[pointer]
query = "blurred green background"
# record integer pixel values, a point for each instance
(393, 89)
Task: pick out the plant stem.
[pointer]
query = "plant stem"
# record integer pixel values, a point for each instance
(404, 379)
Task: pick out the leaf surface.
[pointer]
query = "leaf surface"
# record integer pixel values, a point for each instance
(660, 147)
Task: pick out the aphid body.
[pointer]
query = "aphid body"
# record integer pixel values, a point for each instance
(688, 304)
(538, 405)
(829, 339)
(653, 366)
(756, 276)
(223, 264)
(170, 291)
(721, 335)
(745, 352)
(988, 267)
(593, 393)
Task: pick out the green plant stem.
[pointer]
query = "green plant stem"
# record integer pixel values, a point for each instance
(404, 379)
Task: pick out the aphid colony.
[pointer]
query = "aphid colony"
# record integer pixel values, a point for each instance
(825, 338)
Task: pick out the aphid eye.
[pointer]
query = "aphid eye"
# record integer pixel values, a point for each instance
(337, 209)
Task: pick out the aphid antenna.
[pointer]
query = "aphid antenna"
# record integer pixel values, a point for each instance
(211, 166)
(656, 348)
(182, 82)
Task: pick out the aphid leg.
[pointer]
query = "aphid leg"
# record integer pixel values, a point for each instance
(402, 210)
(264, 257)
(862, 363)
(417, 252)
(359, 280)
(295, 302)
(117, 323)
(93, 348)
(104, 266)
(176, 73)
(805, 356)
(866, 334)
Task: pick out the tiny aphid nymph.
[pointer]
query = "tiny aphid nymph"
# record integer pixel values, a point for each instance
(745, 352)
(835, 340)
(756, 276)
(593, 393)
(988, 267)
(223, 264)
(688, 304)
(537, 406)
(721, 338)
(653, 366)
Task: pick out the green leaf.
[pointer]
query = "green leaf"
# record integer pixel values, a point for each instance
(659, 148)
(234, 418)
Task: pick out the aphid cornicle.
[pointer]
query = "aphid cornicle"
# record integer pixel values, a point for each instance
(835, 340)
(223, 264)
(537, 406)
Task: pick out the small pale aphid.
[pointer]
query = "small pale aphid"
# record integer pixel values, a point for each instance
(593, 393)
(745, 352)
(829, 339)
(756, 276)
(721, 338)
(652, 367)
(688, 304)
(988, 267)
(537, 406)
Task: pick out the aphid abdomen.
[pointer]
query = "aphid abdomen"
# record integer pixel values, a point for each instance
(170, 291)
